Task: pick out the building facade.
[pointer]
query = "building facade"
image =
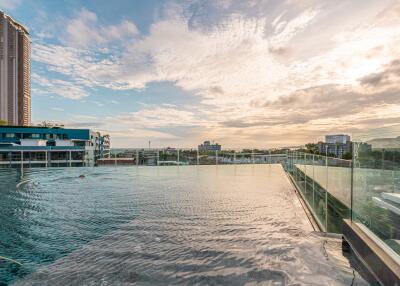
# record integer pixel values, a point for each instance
(336, 145)
(207, 146)
(15, 69)
(337, 138)
(51, 147)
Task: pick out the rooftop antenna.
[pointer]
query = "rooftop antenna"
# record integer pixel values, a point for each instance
(149, 144)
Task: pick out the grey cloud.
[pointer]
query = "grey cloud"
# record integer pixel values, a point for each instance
(329, 101)
(85, 124)
(372, 79)
(292, 117)
(216, 89)
(279, 51)
(245, 123)
(384, 77)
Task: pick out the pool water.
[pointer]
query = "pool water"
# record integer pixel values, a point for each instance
(202, 225)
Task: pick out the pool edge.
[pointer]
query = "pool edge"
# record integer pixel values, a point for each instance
(381, 266)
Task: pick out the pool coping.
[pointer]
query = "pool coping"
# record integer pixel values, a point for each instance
(375, 259)
(314, 223)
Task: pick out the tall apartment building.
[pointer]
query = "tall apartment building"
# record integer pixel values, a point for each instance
(15, 94)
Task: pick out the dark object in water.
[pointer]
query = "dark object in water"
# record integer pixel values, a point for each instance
(81, 176)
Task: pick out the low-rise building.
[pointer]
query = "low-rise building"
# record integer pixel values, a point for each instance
(337, 139)
(50, 146)
(337, 145)
(207, 146)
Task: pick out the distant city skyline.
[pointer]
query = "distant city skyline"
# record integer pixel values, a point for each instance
(257, 74)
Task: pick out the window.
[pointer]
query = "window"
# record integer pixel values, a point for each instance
(35, 136)
(10, 135)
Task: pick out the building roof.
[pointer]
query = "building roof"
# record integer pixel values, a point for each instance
(15, 23)
(83, 134)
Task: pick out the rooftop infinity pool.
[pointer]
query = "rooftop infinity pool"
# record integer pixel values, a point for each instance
(187, 225)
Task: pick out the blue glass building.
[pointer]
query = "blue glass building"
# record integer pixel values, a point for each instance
(51, 146)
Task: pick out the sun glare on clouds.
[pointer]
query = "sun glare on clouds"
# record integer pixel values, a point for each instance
(245, 70)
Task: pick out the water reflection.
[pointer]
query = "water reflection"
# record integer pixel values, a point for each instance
(228, 225)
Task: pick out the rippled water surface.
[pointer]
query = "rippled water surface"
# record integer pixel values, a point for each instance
(204, 225)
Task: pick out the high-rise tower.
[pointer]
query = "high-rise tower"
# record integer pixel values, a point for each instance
(15, 70)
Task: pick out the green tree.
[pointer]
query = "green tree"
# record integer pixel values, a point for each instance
(312, 148)
(347, 156)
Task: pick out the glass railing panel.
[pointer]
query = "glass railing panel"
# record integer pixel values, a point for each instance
(187, 157)
(376, 185)
(339, 193)
(243, 158)
(207, 157)
(325, 184)
(309, 179)
(320, 175)
(227, 157)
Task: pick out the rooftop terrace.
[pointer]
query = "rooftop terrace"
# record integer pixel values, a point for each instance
(249, 217)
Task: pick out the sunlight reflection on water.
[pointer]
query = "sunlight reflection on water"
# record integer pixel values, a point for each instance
(229, 225)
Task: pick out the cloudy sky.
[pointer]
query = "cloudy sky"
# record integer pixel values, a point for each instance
(256, 73)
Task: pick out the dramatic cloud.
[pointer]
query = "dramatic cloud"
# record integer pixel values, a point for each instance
(389, 76)
(280, 77)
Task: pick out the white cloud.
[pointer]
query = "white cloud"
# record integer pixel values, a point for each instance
(9, 4)
(155, 117)
(58, 87)
(84, 31)
(285, 31)
(233, 65)
(57, 109)
(136, 133)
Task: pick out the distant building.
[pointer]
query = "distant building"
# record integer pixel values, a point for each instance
(104, 146)
(339, 138)
(207, 146)
(51, 146)
(15, 69)
(336, 145)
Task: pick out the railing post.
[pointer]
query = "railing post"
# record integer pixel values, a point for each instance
(70, 158)
(137, 157)
(351, 189)
(313, 182)
(234, 157)
(326, 196)
(294, 166)
(305, 173)
(198, 157)
(216, 157)
(47, 157)
(177, 156)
